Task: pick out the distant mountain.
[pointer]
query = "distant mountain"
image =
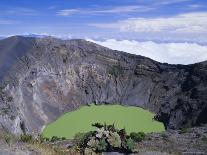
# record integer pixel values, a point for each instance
(28, 35)
(1, 37)
(41, 78)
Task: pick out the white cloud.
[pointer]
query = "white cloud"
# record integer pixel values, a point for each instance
(168, 2)
(119, 9)
(184, 23)
(20, 11)
(123, 9)
(67, 12)
(6, 22)
(195, 6)
(51, 7)
(173, 53)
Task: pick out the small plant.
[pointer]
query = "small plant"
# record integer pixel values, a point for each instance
(114, 140)
(164, 136)
(184, 130)
(42, 139)
(54, 138)
(137, 137)
(130, 144)
(81, 139)
(98, 125)
(101, 132)
(116, 70)
(111, 128)
(102, 145)
(93, 143)
(26, 138)
(6, 110)
(204, 139)
(8, 139)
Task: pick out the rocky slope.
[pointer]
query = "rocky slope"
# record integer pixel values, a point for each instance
(43, 78)
(191, 141)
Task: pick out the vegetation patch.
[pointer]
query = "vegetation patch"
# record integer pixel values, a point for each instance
(107, 138)
(184, 130)
(26, 138)
(116, 70)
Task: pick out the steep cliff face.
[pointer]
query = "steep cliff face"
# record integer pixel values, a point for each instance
(43, 78)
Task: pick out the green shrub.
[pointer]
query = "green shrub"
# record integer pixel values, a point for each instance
(8, 139)
(47, 139)
(130, 144)
(93, 143)
(137, 137)
(114, 140)
(164, 136)
(26, 138)
(81, 139)
(98, 125)
(55, 138)
(116, 70)
(102, 145)
(88, 136)
(107, 138)
(42, 139)
(204, 139)
(111, 128)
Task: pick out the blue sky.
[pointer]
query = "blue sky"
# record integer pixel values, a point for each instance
(172, 31)
(106, 18)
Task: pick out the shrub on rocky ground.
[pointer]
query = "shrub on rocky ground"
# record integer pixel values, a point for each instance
(26, 138)
(130, 145)
(114, 140)
(137, 137)
(102, 145)
(204, 139)
(8, 139)
(54, 139)
(81, 139)
(184, 130)
(107, 139)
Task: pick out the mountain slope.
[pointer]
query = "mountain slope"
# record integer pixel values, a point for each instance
(42, 78)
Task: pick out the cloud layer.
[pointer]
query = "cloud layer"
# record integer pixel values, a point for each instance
(184, 23)
(111, 10)
(173, 53)
(19, 11)
(6, 22)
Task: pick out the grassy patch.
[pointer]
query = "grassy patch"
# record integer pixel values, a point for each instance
(116, 70)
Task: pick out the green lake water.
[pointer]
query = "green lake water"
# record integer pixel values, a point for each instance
(133, 119)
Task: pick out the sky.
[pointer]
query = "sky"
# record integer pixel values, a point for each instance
(165, 30)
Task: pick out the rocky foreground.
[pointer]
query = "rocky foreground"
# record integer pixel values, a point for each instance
(192, 141)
